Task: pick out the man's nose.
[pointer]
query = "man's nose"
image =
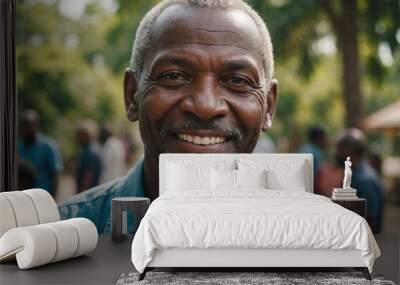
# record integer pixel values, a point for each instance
(204, 100)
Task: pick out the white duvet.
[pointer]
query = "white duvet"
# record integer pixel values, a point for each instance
(252, 218)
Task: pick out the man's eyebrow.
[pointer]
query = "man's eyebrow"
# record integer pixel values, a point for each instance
(173, 59)
(240, 64)
(232, 64)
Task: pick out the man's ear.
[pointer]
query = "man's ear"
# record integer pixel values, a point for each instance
(130, 89)
(272, 98)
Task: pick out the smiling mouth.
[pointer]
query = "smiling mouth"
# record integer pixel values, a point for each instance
(202, 140)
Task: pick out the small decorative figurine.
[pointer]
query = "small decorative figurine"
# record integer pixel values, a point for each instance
(345, 193)
(347, 174)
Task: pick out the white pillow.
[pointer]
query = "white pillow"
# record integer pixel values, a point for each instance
(293, 181)
(226, 179)
(223, 179)
(251, 178)
(282, 174)
(181, 178)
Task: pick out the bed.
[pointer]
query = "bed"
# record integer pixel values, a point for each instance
(247, 211)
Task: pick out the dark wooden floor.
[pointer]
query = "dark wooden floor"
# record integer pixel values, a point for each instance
(389, 262)
(106, 264)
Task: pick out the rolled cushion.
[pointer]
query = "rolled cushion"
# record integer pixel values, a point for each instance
(46, 207)
(66, 238)
(7, 218)
(23, 208)
(26, 208)
(87, 235)
(33, 246)
(40, 244)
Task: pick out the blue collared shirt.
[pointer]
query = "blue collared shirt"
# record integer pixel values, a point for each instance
(95, 203)
(46, 159)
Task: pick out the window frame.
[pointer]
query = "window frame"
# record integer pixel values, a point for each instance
(8, 97)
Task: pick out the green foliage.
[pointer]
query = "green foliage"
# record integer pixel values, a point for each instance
(119, 38)
(60, 68)
(72, 68)
(313, 92)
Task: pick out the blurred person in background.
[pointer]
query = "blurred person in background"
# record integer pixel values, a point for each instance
(41, 151)
(112, 153)
(317, 143)
(264, 144)
(375, 160)
(89, 167)
(329, 176)
(26, 175)
(132, 149)
(352, 143)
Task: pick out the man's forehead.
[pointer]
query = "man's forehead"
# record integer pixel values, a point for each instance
(180, 25)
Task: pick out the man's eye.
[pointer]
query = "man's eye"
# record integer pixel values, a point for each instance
(172, 79)
(237, 80)
(172, 76)
(238, 83)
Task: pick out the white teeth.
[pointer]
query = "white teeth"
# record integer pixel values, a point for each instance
(201, 140)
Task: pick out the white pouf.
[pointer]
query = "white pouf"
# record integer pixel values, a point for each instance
(45, 205)
(23, 208)
(7, 218)
(40, 244)
(67, 239)
(87, 233)
(33, 246)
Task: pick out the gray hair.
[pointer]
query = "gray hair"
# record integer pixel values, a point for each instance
(144, 32)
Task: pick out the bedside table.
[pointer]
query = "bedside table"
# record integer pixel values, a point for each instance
(357, 205)
(119, 208)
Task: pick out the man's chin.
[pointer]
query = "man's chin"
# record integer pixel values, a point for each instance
(175, 145)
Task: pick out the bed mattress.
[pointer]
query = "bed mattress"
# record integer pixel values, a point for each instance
(251, 218)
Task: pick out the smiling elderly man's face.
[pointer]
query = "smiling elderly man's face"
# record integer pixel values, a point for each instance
(203, 87)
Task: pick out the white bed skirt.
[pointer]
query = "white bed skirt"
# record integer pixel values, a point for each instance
(235, 257)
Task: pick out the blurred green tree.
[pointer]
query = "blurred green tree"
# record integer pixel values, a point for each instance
(334, 59)
(60, 68)
(360, 29)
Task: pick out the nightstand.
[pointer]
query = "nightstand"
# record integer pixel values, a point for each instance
(119, 208)
(357, 205)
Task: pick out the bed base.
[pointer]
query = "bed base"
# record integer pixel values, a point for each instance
(363, 270)
(242, 259)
